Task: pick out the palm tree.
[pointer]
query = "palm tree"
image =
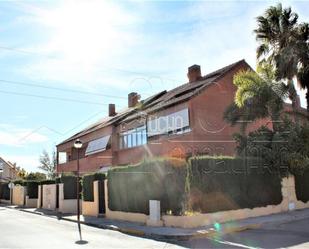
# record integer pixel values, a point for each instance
(284, 44)
(303, 72)
(258, 96)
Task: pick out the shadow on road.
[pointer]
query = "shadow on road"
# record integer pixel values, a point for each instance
(81, 242)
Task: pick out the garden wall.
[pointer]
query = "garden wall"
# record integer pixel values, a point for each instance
(31, 202)
(130, 188)
(49, 196)
(91, 208)
(289, 202)
(67, 205)
(32, 193)
(226, 183)
(18, 195)
(120, 215)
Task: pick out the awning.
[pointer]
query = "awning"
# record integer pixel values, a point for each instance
(97, 145)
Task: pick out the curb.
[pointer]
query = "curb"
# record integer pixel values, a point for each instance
(211, 233)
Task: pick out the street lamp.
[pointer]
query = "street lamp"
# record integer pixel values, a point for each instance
(78, 145)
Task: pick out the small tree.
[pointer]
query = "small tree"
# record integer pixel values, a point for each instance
(35, 176)
(22, 173)
(48, 163)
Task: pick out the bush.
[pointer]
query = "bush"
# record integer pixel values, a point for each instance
(4, 191)
(47, 182)
(19, 182)
(32, 189)
(130, 188)
(69, 186)
(302, 186)
(87, 184)
(219, 184)
(285, 149)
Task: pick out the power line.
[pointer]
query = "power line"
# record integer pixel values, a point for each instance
(110, 68)
(50, 97)
(59, 88)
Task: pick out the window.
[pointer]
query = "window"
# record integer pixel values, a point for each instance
(62, 157)
(97, 145)
(133, 138)
(174, 123)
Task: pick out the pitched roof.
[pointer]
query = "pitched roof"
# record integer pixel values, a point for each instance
(8, 163)
(159, 101)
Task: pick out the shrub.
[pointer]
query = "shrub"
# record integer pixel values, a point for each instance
(4, 191)
(219, 184)
(47, 182)
(87, 184)
(32, 189)
(19, 182)
(69, 186)
(302, 186)
(130, 188)
(285, 149)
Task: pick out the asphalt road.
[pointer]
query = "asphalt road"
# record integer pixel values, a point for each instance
(293, 234)
(23, 230)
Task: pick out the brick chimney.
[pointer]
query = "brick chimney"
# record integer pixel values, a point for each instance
(194, 73)
(133, 98)
(111, 110)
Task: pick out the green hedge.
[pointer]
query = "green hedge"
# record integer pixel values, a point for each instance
(4, 191)
(302, 186)
(19, 182)
(87, 184)
(219, 184)
(32, 189)
(69, 186)
(47, 182)
(130, 188)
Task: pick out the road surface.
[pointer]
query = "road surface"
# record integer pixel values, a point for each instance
(24, 230)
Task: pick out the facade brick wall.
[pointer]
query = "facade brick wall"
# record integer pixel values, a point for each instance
(209, 133)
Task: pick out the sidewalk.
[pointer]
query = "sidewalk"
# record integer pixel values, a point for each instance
(139, 229)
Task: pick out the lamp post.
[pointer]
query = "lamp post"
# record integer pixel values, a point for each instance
(77, 145)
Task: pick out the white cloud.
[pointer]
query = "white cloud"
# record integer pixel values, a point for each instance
(11, 135)
(85, 40)
(83, 37)
(28, 162)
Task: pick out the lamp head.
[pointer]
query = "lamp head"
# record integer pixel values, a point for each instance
(78, 144)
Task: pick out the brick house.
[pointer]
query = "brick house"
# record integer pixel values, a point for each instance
(187, 120)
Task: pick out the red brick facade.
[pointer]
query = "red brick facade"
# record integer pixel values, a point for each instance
(209, 133)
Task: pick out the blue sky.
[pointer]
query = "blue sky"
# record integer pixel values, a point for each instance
(109, 48)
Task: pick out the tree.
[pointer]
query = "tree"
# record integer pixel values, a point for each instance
(22, 173)
(284, 44)
(285, 150)
(303, 72)
(258, 96)
(48, 163)
(35, 176)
